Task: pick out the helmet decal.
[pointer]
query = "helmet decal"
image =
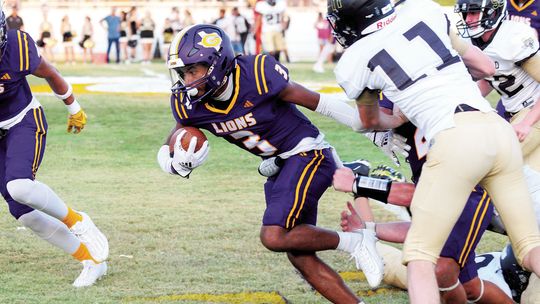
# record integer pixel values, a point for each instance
(210, 40)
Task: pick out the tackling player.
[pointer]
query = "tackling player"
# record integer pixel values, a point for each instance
(250, 102)
(408, 56)
(525, 11)
(23, 133)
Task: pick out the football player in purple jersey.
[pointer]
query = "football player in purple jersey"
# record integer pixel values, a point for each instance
(525, 11)
(23, 133)
(250, 102)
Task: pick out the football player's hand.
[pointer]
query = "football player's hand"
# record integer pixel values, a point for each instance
(76, 122)
(350, 220)
(522, 130)
(343, 180)
(187, 160)
(390, 143)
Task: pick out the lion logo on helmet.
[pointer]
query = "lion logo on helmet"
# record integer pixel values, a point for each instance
(210, 40)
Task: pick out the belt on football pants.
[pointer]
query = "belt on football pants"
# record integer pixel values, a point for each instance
(464, 108)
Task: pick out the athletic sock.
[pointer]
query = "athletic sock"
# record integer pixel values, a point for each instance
(71, 218)
(83, 254)
(348, 241)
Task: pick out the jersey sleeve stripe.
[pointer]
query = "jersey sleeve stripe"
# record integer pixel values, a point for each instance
(478, 226)
(462, 256)
(256, 75)
(289, 222)
(304, 195)
(27, 57)
(177, 108)
(20, 51)
(263, 77)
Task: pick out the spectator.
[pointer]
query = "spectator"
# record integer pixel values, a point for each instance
(188, 21)
(176, 23)
(113, 32)
(87, 44)
(168, 35)
(67, 40)
(46, 42)
(147, 36)
(226, 23)
(14, 21)
(325, 39)
(133, 34)
(242, 28)
(123, 35)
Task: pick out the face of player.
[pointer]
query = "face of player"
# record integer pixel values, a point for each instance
(193, 73)
(472, 17)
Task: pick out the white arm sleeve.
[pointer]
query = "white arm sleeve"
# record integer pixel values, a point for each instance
(164, 159)
(337, 108)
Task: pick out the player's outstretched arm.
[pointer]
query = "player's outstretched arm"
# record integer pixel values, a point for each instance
(332, 106)
(63, 90)
(479, 64)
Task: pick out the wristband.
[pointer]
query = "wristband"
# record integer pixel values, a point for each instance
(74, 107)
(66, 94)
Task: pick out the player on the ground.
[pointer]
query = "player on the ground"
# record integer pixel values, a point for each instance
(408, 56)
(23, 133)
(250, 102)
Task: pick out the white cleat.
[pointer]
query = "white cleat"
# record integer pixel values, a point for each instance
(91, 273)
(367, 258)
(96, 242)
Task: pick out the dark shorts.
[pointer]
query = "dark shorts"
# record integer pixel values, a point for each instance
(467, 232)
(21, 153)
(292, 196)
(147, 34)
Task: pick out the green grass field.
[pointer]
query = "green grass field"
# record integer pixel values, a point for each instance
(171, 240)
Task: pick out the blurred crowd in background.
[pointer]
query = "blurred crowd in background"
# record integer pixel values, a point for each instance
(134, 35)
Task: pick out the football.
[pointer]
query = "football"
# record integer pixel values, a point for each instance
(186, 138)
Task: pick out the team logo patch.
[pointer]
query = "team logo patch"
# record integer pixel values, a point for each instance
(210, 40)
(6, 77)
(528, 43)
(248, 104)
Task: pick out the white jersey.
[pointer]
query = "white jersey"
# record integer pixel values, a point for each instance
(272, 15)
(412, 61)
(489, 269)
(513, 43)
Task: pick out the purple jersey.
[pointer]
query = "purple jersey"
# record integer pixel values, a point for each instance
(415, 139)
(525, 13)
(255, 119)
(20, 58)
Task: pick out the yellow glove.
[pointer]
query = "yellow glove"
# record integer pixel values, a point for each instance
(76, 122)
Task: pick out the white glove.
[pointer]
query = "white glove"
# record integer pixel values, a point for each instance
(390, 143)
(185, 161)
(270, 166)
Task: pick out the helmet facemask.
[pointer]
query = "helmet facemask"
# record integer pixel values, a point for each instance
(491, 13)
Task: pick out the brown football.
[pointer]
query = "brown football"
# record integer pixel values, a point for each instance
(186, 138)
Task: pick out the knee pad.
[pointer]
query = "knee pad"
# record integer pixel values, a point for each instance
(20, 189)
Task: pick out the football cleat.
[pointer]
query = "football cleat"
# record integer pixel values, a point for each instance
(90, 274)
(359, 166)
(96, 242)
(367, 258)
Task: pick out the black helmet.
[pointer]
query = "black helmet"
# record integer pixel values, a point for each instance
(354, 19)
(492, 12)
(516, 277)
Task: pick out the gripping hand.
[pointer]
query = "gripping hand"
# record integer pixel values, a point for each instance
(76, 122)
(184, 161)
(390, 143)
